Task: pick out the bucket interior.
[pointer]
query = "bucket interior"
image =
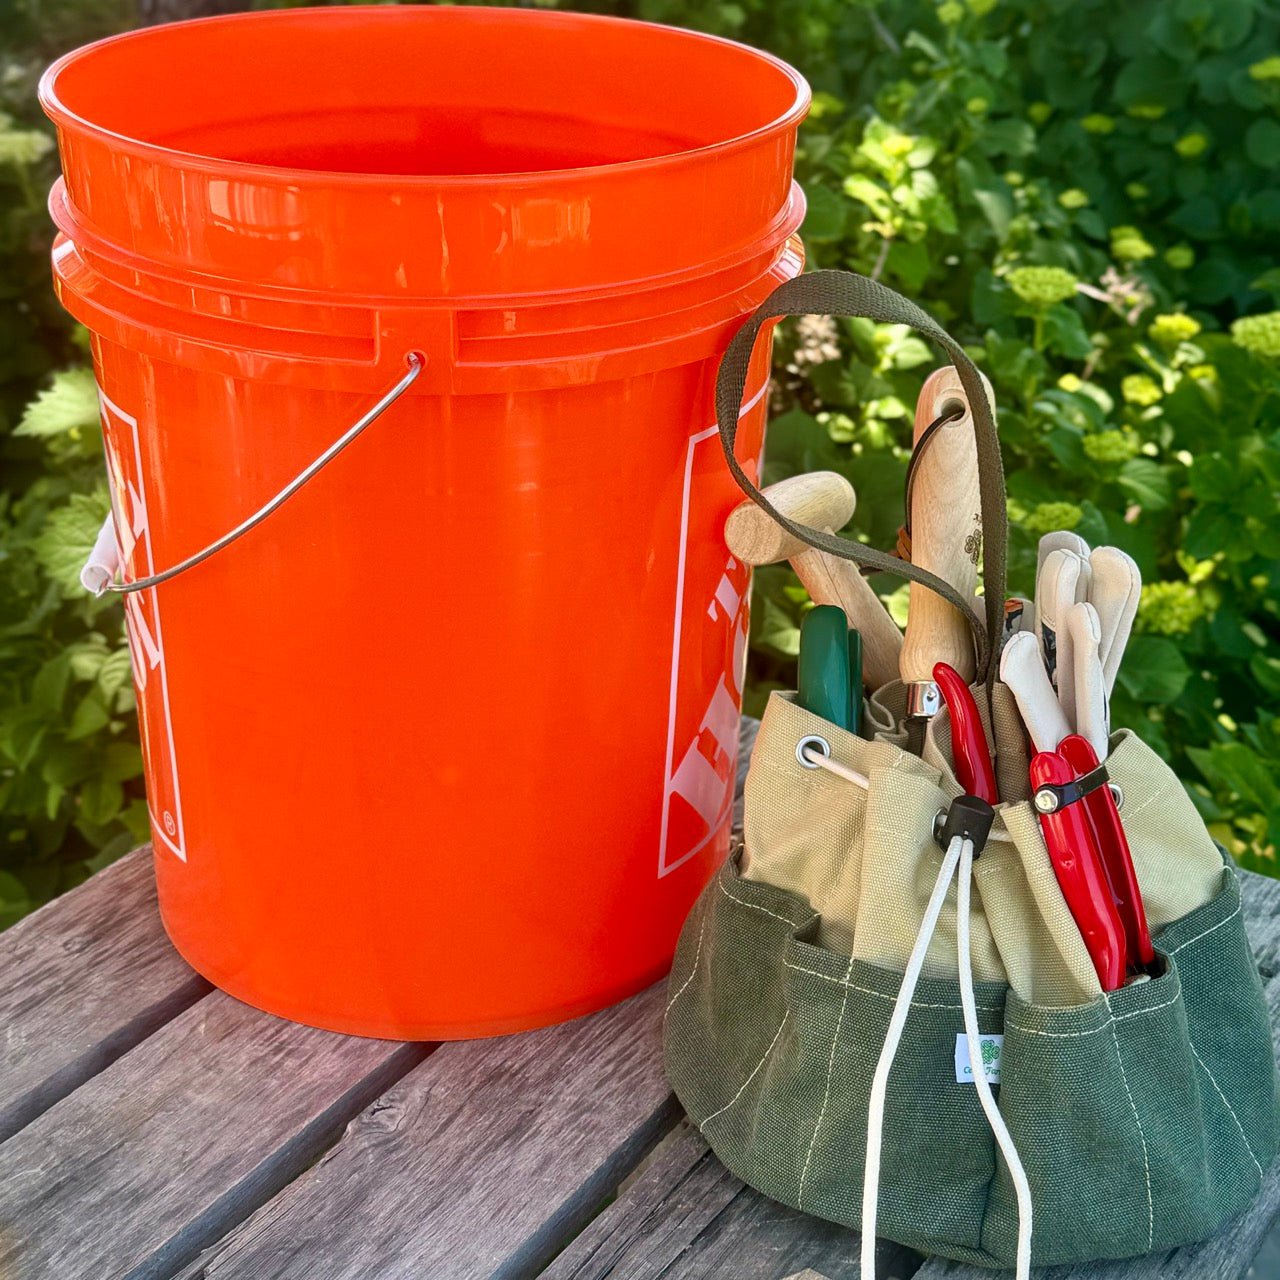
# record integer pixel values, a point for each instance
(417, 91)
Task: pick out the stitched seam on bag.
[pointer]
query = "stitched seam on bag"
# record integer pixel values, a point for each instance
(1243, 1136)
(1148, 802)
(742, 902)
(1093, 1031)
(1182, 946)
(826, 1097)
(871, 991)
(1142, 1137)
(696, 955)
(752, 1076)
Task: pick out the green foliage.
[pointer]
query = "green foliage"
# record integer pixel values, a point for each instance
(70, 768)
(1083, 191)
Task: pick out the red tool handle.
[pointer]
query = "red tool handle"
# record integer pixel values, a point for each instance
(1113, 844)
(1078, 865)
(968, 738)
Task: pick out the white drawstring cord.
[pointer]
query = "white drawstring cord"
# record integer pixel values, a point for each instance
(959, 853)
(815, 759)
(880, 1081)
(1004, 1139)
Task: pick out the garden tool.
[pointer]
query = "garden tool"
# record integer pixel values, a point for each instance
(823, 500)
(827, 684)
(968, 738)
(1022, 669)
(1078, 864)
(1061, 582)
(1114, 591)
(1092, 716)
(1113, 846)
(943, 535)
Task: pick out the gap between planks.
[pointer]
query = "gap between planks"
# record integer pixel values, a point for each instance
(85, 979)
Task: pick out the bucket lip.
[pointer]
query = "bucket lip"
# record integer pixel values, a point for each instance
(62, 212)
(63, 117)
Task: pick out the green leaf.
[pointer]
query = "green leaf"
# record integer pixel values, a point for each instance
(1065, 332)
(70, 404)
(49, 687)
(996, 207)
(1146, 482)
(90, 715)
(122, 761)
(1010, 137)
(1153, 669)
(66, 764)
(115, 672)
(1238, 769)
(68, 536)
(1209, 530)
(866, 192)
(825, 215)
(1214, 478)
(100, 800)
(777, 631)
(13, 895)
(1262, 143)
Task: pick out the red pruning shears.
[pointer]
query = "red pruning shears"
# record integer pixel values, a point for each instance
(1091, 858)
(968, 738)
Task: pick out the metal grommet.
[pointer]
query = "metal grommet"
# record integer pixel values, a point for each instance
(820, 745)
(939, 821)
(1117, 794)
(1045, 800)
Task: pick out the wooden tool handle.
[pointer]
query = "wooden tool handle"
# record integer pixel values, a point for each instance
(946, 532)
(821, 499)
(829, 580)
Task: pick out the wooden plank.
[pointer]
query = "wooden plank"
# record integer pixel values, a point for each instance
(85, 979)
(484, 1161)
(685, 1217)
(160, 1154)
(1261, 900)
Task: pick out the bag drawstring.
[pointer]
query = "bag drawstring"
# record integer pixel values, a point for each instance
(1004, 1139)
(959, 854)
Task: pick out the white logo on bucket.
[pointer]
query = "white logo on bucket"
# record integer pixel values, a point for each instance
(701, 778)
(142, 624)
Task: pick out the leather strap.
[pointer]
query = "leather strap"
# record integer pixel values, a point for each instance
(844, 293)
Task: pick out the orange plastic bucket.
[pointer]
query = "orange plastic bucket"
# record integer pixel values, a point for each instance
(445, 746)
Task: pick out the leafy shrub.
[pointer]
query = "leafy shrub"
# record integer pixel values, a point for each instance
(1083, 191)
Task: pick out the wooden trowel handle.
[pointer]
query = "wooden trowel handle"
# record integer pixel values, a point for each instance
(830, 580)
(946, 532)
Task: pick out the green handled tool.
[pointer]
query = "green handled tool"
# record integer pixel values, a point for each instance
(855, 680)
(830, 667)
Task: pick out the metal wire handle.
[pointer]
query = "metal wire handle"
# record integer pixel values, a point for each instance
(416, 363)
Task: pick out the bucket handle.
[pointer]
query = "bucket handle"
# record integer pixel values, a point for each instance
(100, 572)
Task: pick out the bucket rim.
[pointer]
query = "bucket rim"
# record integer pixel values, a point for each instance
(64, 117)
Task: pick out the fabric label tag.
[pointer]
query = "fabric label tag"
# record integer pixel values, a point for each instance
(991, 1048)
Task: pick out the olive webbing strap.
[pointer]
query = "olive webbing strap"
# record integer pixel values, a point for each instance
(843, 293)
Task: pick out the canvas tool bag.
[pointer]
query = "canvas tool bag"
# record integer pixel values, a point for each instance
(816, 1026)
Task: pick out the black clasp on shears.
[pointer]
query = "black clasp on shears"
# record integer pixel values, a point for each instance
(1050, 798)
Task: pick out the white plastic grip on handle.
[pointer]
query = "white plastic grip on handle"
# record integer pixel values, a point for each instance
(103, 564)
(91, 576)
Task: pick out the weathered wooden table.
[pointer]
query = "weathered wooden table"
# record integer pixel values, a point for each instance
(151, 1126)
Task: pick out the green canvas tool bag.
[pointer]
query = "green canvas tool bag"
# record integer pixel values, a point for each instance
(816, 1024)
